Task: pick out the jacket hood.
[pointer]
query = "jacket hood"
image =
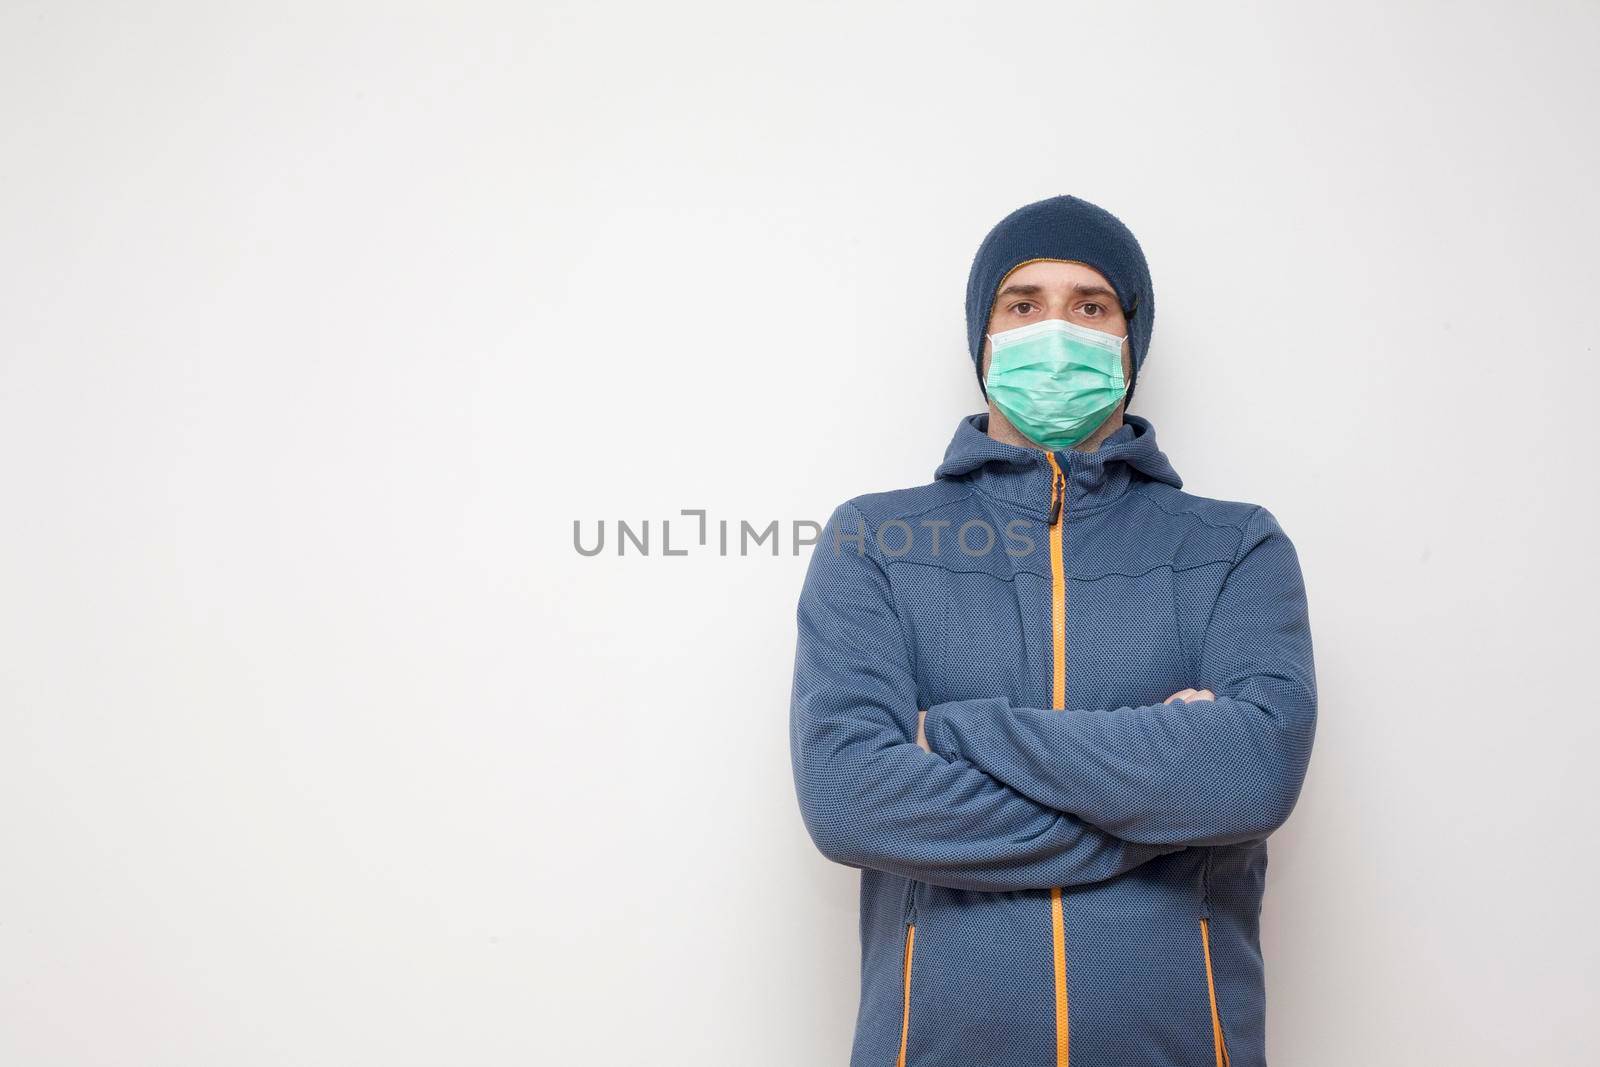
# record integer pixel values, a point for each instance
(1021, 476)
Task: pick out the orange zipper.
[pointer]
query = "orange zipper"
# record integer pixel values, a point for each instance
(905, 1008)
(1058, 588)
(1219, 1046)
(1058, 701)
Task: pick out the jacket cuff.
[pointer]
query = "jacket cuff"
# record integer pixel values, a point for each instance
(944, 721)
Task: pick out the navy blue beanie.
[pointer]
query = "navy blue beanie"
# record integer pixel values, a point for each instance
(1063, 227)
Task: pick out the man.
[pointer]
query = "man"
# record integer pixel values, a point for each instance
(1051, 705)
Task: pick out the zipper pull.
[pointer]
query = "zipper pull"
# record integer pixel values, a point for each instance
(1057, 491)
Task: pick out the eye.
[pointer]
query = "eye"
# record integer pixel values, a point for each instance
(1020, 306)
(1098, 310)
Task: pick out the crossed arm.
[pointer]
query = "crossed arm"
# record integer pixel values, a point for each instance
(1220, 765)
(1182, 694)
(1004, 798)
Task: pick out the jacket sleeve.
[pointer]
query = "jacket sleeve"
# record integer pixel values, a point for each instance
(869, 795)
(1207, 772)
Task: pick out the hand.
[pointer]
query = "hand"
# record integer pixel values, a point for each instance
(1190, 694)
(922, 733)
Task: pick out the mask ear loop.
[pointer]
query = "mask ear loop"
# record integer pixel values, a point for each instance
(1127, 391)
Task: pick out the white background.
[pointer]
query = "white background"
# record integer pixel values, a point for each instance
(321, 323)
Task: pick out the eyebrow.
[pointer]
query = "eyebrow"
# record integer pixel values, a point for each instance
(1036, 290)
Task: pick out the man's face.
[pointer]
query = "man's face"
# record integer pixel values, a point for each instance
(1058, 289)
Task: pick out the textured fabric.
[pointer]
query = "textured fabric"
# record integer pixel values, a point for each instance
(1148, 817)
(1063, 227)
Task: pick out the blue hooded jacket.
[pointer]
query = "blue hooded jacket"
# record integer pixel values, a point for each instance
(1074, 873)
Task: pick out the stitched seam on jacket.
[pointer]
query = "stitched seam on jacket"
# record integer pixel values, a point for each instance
(1075, 577)
(903, 515)
(1194, 513)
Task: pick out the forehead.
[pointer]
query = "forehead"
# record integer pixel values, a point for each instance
(1054, 274)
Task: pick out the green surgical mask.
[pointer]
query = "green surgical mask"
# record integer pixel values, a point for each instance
(1055, 380)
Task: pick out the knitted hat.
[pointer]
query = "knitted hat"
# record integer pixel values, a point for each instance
(1063, 227)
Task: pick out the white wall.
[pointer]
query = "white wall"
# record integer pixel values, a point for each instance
(321, 323)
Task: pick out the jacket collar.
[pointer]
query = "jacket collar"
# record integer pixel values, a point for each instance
(1021, 476)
